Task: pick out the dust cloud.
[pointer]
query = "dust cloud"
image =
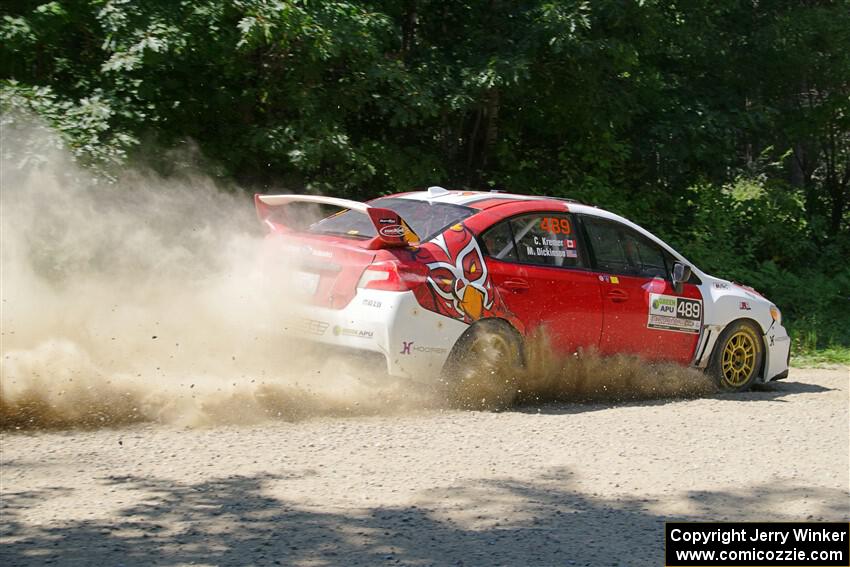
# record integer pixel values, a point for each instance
(584, 377)
(150, 299)
(156, 299)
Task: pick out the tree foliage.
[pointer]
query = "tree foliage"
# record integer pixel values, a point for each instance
(724, 125)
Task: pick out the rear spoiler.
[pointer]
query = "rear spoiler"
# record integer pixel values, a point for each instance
(390, 227)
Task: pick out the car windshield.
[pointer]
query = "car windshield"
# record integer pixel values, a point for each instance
(425, 218)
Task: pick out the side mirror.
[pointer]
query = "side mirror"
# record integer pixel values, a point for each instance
(681, 274)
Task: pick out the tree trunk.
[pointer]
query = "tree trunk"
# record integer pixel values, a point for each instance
(491, 134)
(472, 145)
(408, 27)
(803, 164)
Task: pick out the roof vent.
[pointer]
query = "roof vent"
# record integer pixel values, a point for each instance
(436, 191)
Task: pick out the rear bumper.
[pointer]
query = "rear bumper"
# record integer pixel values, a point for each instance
(413, 341)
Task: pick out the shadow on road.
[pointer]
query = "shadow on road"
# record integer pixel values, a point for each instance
(234, 521)
(772, 391)
(785, 387)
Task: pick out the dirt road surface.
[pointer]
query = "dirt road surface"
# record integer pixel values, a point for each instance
(554, 485)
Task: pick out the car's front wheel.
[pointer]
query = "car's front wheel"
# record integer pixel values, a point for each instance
(737, 357)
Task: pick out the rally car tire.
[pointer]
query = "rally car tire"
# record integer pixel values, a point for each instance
(738, 356)
(483, 368)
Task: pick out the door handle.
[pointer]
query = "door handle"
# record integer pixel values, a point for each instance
(618, 295)
(517, 285)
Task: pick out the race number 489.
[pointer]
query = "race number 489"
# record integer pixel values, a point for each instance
(555, 225)
(688, 309)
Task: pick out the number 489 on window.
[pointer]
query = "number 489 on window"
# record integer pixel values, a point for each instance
(555, 225)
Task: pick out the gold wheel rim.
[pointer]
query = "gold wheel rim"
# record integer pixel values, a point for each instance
(739, 359)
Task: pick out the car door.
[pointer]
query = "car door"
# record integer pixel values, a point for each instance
(539, 267)
(643, 313)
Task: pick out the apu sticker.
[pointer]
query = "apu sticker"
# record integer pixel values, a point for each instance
(672, 313)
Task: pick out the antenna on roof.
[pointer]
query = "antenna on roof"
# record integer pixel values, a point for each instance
(436, 191)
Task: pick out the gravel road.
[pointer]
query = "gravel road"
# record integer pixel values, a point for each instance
(566, 484)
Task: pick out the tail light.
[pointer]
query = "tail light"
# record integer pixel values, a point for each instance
(389, 276)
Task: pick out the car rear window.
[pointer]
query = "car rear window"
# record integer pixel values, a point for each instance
(541, 239)
(427, 219)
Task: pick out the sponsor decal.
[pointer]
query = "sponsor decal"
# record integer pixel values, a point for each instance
(721, 285)
(312, 327)
(772, 339)
(430, 349)
(409, 348)
(317, 253)
(672, 313)
(615, 280)
(387, 221)
(372, 303)
(744, 306)
(664, 305)
(609, 279)
(310, 251)
(356, 333)
(394, 231)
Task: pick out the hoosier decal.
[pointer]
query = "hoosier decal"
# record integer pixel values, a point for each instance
(672, 313)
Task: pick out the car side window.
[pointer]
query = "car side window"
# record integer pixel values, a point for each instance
(619, 249)
(547, 239)
(647, 260)
(498, 242)
(607, 246)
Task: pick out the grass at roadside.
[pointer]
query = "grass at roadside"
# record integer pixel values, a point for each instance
(820, 357)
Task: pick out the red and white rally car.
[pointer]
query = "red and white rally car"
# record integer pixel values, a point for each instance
(414, 278)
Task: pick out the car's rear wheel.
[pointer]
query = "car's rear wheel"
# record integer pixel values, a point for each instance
(483, 368)
(737, 357)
